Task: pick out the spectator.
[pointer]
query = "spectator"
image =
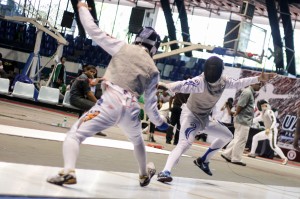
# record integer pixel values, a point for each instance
(81, 95)
(177, 101)
(226, 112)
(164, 97)
(43, 81)
(95, 85)
(244, 118)
(20, 34)
(3, 74)
(59, 76)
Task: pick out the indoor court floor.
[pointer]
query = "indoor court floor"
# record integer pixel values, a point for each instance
(31, 151)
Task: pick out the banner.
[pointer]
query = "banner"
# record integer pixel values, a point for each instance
(283, 94)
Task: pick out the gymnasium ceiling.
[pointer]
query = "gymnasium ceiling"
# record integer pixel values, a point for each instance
(215, 7)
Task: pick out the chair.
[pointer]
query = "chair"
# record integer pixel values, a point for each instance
(66, 101)
(4, 85)
(48, 95)
(160, 67)
(23, 90)
(167, 70)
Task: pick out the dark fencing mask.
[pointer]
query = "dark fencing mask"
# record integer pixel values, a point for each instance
(213, 69)
(259, 103)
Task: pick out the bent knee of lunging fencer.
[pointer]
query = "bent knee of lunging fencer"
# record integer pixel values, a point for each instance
(76, 136)
(183, 145)
(226, 137)
(136, 140)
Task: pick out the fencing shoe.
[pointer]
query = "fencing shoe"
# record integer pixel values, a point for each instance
(63, 178)
(204, 166)
(250, 155)
(285, 161)
(164, 176)
(145, 180)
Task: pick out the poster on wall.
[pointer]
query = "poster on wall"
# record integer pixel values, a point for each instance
(283, 94)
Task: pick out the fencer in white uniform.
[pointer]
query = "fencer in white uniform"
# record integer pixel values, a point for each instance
(205, 90)
(270, 132)
(130, 73)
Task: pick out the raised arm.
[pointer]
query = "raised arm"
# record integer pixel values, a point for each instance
(244, 82)
(109, 44)
(194, 85)
(241, 83)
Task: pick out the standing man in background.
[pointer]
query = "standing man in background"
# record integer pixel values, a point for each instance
(59, 75)
(243, 120)
(177, 101)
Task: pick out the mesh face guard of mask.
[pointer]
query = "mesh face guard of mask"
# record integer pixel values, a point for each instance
(149, 39)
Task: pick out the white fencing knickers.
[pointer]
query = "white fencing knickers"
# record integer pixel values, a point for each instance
(116, 107)
(190, 126)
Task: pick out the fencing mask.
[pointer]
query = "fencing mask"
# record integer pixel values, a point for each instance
(213, 69)
(261, 102)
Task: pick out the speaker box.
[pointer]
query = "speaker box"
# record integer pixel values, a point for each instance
(231, 33)
(136, 20)
(67, 19)
(247, 9)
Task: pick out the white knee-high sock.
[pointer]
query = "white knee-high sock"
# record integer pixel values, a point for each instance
(140, 155)
(174, 156)
(254, 145)
(70, 152)
(279, 152)
(213, 149)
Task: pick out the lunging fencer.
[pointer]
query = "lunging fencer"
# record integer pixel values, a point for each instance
(270, 132)
(205, 90)
(130, 73)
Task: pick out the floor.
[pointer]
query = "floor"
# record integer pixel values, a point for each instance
(30, 151)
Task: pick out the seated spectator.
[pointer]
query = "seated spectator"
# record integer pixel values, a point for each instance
(81, 95)
(95, 85)
(3, 74)
(43, 81)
